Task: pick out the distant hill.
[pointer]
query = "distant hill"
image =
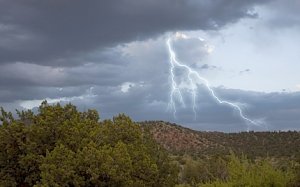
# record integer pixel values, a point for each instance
(181, 140)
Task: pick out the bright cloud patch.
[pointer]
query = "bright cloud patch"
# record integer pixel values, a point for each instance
(125, 87)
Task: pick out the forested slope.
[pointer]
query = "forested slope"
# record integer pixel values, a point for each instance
(180, 140)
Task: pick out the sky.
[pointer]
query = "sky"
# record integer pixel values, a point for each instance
(112, 56)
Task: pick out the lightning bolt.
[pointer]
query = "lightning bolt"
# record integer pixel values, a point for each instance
(176, 90)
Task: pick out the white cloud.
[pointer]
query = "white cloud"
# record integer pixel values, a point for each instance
(125, 87)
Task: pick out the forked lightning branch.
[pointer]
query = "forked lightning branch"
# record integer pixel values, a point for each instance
(193, 78)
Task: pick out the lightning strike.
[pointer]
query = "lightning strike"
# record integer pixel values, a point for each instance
(193, 76)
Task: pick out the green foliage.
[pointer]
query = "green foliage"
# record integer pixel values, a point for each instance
(60, 146)
(296, 167)
(197, 170)
(58, 168)
(244, 173)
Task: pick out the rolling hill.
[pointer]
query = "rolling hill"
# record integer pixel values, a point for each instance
(181, 140)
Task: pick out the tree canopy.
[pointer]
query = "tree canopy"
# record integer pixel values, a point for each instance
(61, 146)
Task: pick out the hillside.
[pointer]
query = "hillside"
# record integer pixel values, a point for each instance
(61, 146)
(180, 140)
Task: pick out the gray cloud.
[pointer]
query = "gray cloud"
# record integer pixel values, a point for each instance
(283, 14)
(61, 49)
(277, 111)
(147, 98)
(245, 71)
(208, 67)
(55, 32)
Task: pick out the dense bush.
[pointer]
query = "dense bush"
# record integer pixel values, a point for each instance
(232, 171)
(60, 146)
(243, 172)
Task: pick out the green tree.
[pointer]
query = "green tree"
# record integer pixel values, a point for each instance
(61, 146)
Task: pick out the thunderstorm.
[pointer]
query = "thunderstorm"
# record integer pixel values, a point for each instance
(193, 78)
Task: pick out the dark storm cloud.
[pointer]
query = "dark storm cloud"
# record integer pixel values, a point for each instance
(51, 32)
(277, 111)
(284, 14)
(108, 72)
(11, 94)
(131, 63)
(73, 48)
